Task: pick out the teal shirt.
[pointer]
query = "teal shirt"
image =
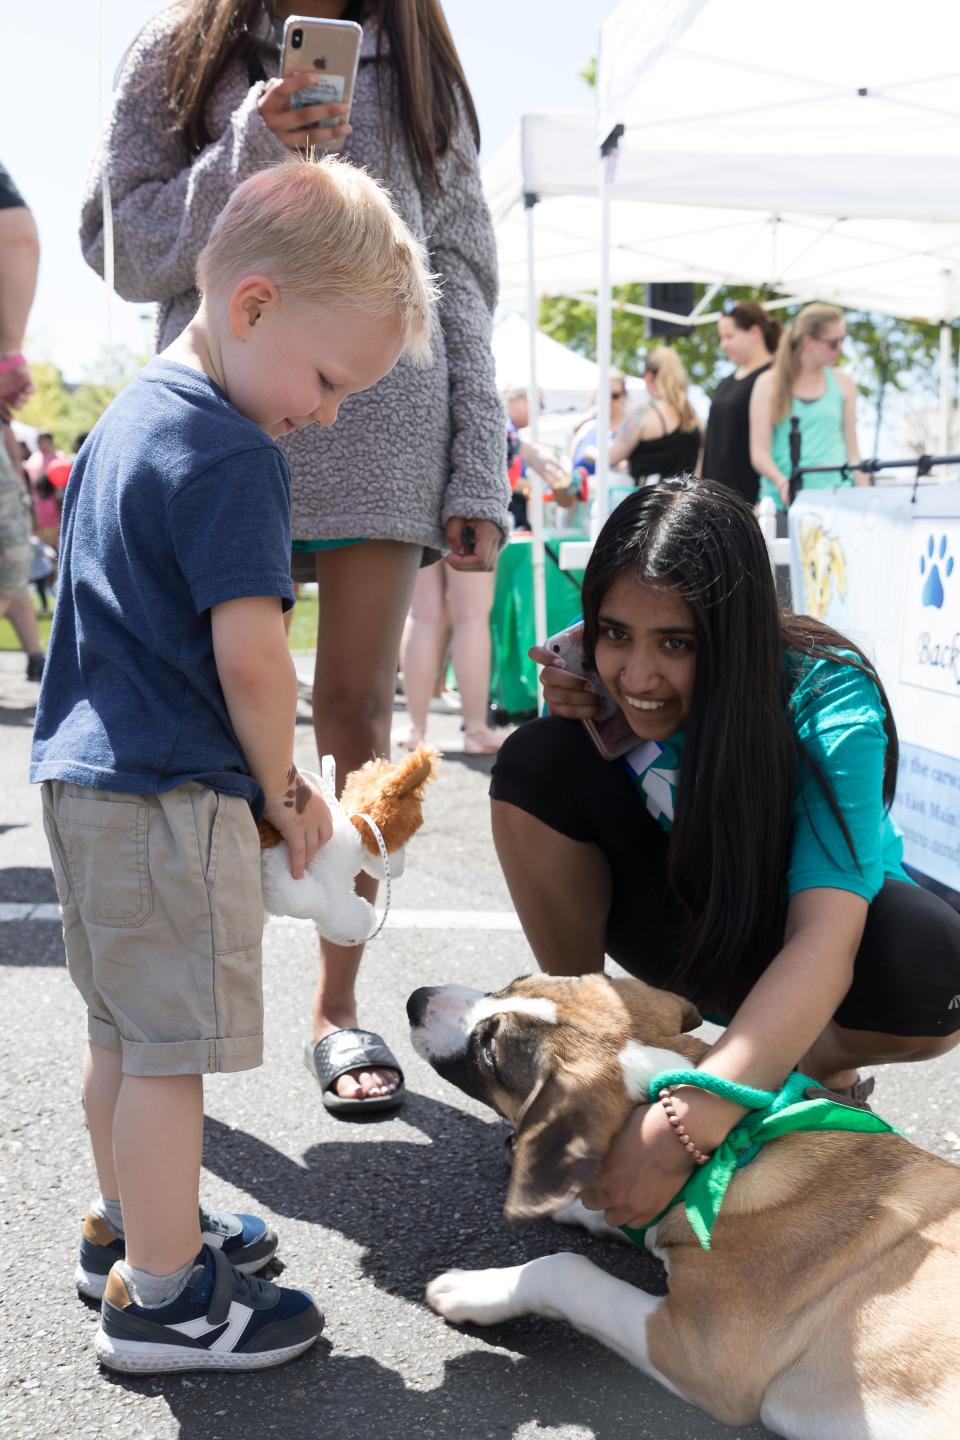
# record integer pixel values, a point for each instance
(838, 716)
(821, 440)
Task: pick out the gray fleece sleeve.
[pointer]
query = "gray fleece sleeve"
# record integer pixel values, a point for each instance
(459, 236)
(165, 202)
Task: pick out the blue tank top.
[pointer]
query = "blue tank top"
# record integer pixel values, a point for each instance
(821, 440)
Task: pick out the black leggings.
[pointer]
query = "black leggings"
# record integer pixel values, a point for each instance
(906, 978)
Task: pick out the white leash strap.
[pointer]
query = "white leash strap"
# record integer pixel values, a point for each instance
(386, 875)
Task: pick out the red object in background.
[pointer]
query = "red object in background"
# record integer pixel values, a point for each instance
(58, 473)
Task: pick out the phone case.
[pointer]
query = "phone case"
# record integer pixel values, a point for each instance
(331, 47)
(611, 733)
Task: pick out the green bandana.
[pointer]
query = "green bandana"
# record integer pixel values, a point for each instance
(801, 1104)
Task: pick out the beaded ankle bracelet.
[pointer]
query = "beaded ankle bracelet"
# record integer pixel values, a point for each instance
(666, 1100)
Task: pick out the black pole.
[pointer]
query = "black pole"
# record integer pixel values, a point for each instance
(796, 477)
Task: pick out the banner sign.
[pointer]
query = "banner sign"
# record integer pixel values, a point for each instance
(882, 565)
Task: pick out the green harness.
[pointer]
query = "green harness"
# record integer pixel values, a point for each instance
(801, 1104)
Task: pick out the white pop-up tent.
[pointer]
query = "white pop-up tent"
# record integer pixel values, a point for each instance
(814, 154)
(568, 380)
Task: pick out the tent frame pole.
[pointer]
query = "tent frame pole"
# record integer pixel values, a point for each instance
(946, 364)
(608, 168)
(538, 553)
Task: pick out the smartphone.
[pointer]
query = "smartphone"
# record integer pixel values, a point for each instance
(332, 49)
(610, 732)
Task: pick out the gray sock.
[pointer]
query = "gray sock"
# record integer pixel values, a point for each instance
(110, 1211)
(152, 1291)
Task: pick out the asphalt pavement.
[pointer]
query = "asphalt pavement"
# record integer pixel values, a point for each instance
(367, 1212)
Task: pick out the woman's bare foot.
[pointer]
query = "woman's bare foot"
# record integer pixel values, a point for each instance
(358, 1084)
(481, 740)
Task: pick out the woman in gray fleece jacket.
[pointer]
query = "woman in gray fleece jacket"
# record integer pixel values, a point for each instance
(198, 108)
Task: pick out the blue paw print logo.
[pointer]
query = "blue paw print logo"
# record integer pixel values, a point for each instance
(937, 566)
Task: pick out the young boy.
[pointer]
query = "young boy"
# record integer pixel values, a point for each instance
(165, 730)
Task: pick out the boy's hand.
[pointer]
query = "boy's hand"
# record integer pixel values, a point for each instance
(302, 816)
(566, 695)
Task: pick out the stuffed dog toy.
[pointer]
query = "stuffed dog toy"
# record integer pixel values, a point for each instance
(390, 795)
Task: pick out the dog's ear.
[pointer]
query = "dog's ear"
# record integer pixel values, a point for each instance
(691, 1019)
(556, 1154)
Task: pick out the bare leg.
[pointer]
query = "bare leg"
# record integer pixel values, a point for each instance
(423, 637)
(102, 1075)
(836, 1056)
(157, 1143)
(364, 594)
(561, 888)
(469, 598)
(23, 618)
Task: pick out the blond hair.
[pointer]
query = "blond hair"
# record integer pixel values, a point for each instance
(324, 231)
(672, 382)
(812, 320)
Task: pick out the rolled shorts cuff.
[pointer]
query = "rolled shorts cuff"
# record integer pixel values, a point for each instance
(103, 1033)
(191, 1057)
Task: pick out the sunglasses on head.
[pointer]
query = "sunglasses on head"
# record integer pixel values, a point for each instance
(729, 306)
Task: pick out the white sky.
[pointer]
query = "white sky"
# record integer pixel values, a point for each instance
(518, 55)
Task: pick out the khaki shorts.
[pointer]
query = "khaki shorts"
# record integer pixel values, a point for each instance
(162, 923)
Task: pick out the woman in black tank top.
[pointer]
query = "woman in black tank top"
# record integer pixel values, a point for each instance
(663, 438)
(748, 337)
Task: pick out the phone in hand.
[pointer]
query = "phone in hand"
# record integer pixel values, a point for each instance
(331, 48)
(610, 732)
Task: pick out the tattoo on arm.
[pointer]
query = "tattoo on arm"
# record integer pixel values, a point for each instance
(297, 794)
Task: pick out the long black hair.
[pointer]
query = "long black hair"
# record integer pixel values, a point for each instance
(742, 762)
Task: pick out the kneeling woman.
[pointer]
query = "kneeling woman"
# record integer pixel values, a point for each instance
(742, 853)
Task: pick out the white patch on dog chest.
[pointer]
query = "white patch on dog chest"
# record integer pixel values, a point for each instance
(641, 1062)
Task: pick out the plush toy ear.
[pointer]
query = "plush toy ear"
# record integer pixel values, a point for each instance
(391, 794)
(558, 1151)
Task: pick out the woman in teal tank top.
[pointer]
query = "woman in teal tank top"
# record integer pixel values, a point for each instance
(804, 384)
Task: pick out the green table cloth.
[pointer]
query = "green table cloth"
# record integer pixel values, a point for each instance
(513, 677)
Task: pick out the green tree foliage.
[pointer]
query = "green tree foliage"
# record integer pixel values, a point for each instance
(882, 349)
(70, 410)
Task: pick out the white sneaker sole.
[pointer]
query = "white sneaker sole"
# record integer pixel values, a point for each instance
(91, 1286)
(138, 1357)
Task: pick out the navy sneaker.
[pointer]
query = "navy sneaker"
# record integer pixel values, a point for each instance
(246, 1240)
(221, 1320)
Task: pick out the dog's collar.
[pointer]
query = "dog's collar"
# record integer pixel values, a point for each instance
(800, 1104)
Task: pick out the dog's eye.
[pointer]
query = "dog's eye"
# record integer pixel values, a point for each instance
(486, 1053)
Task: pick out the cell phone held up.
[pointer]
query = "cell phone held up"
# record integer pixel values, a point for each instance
(331, 50)
(610, 732)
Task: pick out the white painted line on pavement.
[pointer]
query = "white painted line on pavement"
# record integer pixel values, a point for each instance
(399, 919)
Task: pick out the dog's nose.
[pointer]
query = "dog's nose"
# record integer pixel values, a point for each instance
(418, 1002)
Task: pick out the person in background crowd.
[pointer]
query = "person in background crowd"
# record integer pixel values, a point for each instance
(662, 437)
(583, 446)
(749, 337)
(200, 106)
(40, 461)
(804, 384)
(524, 455)
(447, 601)
(19, 262)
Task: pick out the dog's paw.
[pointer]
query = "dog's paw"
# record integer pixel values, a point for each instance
(476, 1297)
(576, 1213)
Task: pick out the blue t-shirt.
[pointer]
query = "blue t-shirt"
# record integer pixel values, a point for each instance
(175, 503)
(838, 717)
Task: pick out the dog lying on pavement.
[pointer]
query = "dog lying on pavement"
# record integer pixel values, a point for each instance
(829, 1304)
